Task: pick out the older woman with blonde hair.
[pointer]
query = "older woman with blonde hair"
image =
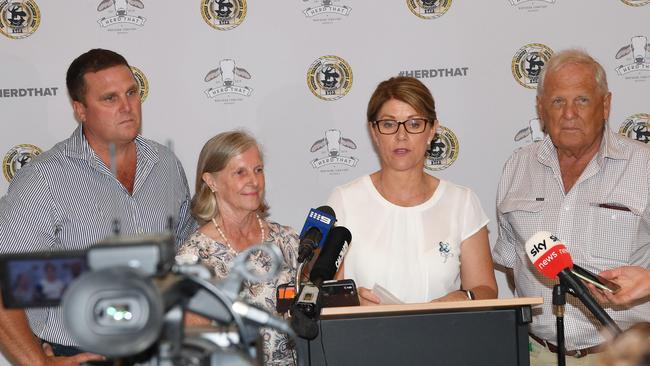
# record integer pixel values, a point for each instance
(230, 208)
(420, 237)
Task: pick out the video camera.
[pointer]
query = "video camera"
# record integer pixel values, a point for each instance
(126, 297)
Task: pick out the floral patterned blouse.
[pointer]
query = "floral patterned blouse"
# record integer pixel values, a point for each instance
(217, 256)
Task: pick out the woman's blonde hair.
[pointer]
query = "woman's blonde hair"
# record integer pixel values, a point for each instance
(214, 157)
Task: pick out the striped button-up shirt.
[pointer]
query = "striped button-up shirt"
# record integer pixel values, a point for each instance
(67, 199)
(531, 198)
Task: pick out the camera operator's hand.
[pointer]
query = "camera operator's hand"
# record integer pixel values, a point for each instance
(51, 359)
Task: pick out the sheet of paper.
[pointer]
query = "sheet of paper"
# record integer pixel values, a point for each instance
(385, 296)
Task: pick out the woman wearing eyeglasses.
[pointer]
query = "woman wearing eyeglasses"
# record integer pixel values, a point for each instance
(419, 237)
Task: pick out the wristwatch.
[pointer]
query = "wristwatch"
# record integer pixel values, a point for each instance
(470, 295)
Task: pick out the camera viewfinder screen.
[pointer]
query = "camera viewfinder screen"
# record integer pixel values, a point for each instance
(37, 282)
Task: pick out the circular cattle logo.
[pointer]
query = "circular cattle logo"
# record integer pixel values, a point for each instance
(443, 151)
(636, 127)
(223, 14)
(18, 157)
(636, 2)
(329, 77)
(428, 9)
(143, 83)
(528, 62)
(19, 19)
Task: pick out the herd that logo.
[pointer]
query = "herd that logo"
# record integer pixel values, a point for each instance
(333, 146)
(636, 2)
(329, 77)
(19, 19)
(324, 8)
(225, 75)
(223, 14)
(143, 83)
(120, 10)
(638, 52)
(531, 5)
(636, 127)
(443, 151)
(17, 158)
(528, 62)
(532, 133)
(428, 9)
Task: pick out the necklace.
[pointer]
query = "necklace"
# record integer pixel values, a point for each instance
(225, 239)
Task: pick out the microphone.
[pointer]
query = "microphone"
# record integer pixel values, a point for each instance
(552, 259)
(306, 309)
(548, 254)
(314, 232)
(331, 256)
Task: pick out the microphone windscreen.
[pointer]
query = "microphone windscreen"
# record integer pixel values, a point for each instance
(328, 210)
(548, 254)
(331, 255)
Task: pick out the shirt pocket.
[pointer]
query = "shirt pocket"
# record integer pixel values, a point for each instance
(525, 216)
(613, 231)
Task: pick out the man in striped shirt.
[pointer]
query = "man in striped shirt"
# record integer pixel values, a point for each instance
(68, 197)
(584, 183)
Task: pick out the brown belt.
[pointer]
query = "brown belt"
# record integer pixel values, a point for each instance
(578, 353)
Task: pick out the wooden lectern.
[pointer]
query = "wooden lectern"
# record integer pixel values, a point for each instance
(473, 333)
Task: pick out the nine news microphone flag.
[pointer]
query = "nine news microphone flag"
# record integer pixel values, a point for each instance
(314, 232)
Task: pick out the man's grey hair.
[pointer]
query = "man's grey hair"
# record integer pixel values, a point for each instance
(573, 56)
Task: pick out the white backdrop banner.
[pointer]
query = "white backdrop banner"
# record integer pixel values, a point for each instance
(298, 75)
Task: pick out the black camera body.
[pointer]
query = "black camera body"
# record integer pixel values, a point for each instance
(125, 297)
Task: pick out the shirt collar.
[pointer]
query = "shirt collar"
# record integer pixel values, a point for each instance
(609, 148)
(78, 147)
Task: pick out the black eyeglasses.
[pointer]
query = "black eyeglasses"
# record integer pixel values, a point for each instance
(411, 125)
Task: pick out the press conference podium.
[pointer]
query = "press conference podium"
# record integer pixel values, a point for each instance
(480, 332)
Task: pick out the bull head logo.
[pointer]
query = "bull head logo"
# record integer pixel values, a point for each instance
(333, 141)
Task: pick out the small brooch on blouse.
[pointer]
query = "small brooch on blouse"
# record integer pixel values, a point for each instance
(445, 251)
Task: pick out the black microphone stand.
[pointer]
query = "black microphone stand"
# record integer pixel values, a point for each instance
(559, 299)
(579, 290)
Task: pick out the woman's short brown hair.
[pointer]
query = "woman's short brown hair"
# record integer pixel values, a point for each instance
(214, 157)
(406, 89)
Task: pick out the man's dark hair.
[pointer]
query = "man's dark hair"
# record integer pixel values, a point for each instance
(92, 61)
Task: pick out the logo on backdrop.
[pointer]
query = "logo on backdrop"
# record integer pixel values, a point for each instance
(636, 127)
(228, 77)
(532, 133)
(636, 2)
(428, 9)
(19, 19)
(436, 73)
(531, 5)
(325, 12)
(333, 149)
(121, 15)
(223, 14)
(143, 83)
(329, 77)
(528, 63)
(443, 151)
(28, 92)
(636, 54)
(17, 158)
